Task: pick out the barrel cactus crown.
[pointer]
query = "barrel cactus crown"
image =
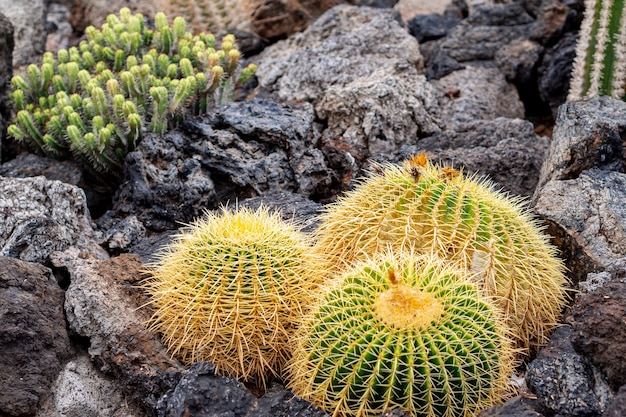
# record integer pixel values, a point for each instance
(229, 290)
(406, 331)
(95, 101)
(434, 209)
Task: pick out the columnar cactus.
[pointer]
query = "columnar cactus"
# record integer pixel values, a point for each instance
(600, 63)
(404, 331)
(229, 290)
(95, 101)
(433, 209)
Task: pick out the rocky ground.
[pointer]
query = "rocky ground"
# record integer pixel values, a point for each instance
(481, 86)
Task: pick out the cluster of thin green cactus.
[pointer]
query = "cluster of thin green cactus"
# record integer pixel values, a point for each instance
(94, 102)
(600, 64)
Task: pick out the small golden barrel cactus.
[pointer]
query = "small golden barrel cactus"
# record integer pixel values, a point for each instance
(433, 209)
(229, 289)
(404, 331)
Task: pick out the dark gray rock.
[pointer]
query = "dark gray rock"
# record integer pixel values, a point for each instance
(33, 340)
(438, 64)
(599, 328)
(428, 27)
(28, 18)
(618, 405)
(565, 383)
(588, 133)
(518, 60)
(506, 150)
(39, 216)
(554, 18)
(515, 407)
(6, 72)
(487, 29)
(554, 71)
(240, 150)
(279, 402)
(587, 217)
(381, 4)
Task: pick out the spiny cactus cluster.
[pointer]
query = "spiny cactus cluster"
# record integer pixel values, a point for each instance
(600, 63)
(429, 208)
(94, 101)
(402, 331)
(214, 15)
(230, 289)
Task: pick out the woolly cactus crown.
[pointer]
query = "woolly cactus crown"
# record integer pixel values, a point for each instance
(229, 290)
(402, 331)
(95, 101)
(429, 208)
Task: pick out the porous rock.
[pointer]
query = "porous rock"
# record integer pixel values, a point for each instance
(566, 384)
(515, 407)
(6, 72)
(599, 328)
(28, 18)
(588, 133)
(554, 71)
(34, 343)
(488, 28)
(82, 391)
(618, 405)
(518, 60)
(102, 304)
(39, 216)
(368, 88)
(478, 92)
(239, 150)
(587, 218)
(507, 151)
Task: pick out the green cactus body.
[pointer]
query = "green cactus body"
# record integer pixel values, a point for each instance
(430, 209)
(229, 290)
(123, 80)
(404, 331)
(600, 63)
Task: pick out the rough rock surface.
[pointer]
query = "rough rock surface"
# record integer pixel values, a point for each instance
(477, 92)
(516, 407)
(101, 304)
(366, 87)
(34, 343)
(28, 18)
(507, 151)
(588, 134)
(565, 383)
(6, 72)
(618, 405)
(240, 150)
(39, 216)
(599, 327)
(83, 391)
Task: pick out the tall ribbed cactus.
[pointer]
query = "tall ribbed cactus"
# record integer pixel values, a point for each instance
(433, 209)
(600, 63)
(94, 101)
(402, 331)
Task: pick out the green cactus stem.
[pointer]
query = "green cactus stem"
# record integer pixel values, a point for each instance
(94, 102)
(600, 63)
(402, 331)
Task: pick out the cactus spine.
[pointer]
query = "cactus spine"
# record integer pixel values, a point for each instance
(405, 331)
(229, 290)
(600, 63)
(432, 209)
(95, 101)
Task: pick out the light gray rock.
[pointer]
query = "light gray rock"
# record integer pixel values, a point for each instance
(82, 391)
(478, 92)
(367, 87)
(587, 134)
(29, 19)
(39, 216)
(587, 215)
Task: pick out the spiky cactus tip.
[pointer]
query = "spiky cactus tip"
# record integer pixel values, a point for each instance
(404, 331)
(95, 101)
(600, 63)
(229, 290)
(435, 209)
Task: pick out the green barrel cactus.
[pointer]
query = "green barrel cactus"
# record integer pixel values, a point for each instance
(229, 290)
(600, 63)
(95, 101)
(402, 331)
(429, 208)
